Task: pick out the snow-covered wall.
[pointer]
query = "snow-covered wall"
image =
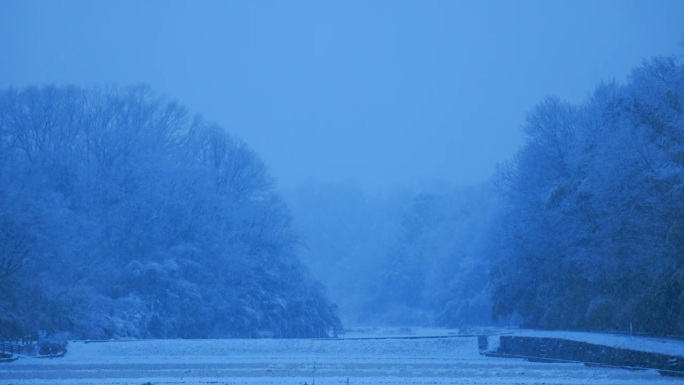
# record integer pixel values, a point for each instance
(548, 349)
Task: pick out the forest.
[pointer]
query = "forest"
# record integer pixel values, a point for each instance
(123, 215)
(583, 229)
(592, 229)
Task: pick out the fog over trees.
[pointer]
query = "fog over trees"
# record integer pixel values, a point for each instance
(581, 230)
(123, 215)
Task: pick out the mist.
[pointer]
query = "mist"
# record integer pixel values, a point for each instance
(215, 169)
(378, 94)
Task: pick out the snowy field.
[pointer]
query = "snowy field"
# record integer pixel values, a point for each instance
(386, 358)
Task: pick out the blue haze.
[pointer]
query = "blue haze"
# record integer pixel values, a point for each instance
(378, 93)
(382, 123)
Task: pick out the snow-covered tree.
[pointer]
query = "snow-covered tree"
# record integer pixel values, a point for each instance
(593, 209)
(122, 215)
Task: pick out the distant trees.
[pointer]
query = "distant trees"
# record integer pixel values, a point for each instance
(435, 271)
(344, 233)
(586, 230)
(590, 235)
(121, 215)
(405, 258)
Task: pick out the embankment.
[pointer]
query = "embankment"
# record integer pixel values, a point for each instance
(666, 356)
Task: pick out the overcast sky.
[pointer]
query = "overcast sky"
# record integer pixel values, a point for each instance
(376, 92)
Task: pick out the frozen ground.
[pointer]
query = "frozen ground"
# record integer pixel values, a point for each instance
(383, 359)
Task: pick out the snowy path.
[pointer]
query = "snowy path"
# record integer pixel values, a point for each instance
(450, 360)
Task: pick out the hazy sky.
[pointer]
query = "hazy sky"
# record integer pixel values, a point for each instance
(377, 92)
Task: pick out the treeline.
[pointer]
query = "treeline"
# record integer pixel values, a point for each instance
(435, 269)
(583, 229)
(345, 233)
(592, 231)
(586, 230)
(410, 257)
(123, 216)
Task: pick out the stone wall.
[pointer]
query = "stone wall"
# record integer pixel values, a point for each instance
(562, 350)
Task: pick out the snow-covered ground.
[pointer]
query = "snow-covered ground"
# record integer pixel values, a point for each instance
(450, 359)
